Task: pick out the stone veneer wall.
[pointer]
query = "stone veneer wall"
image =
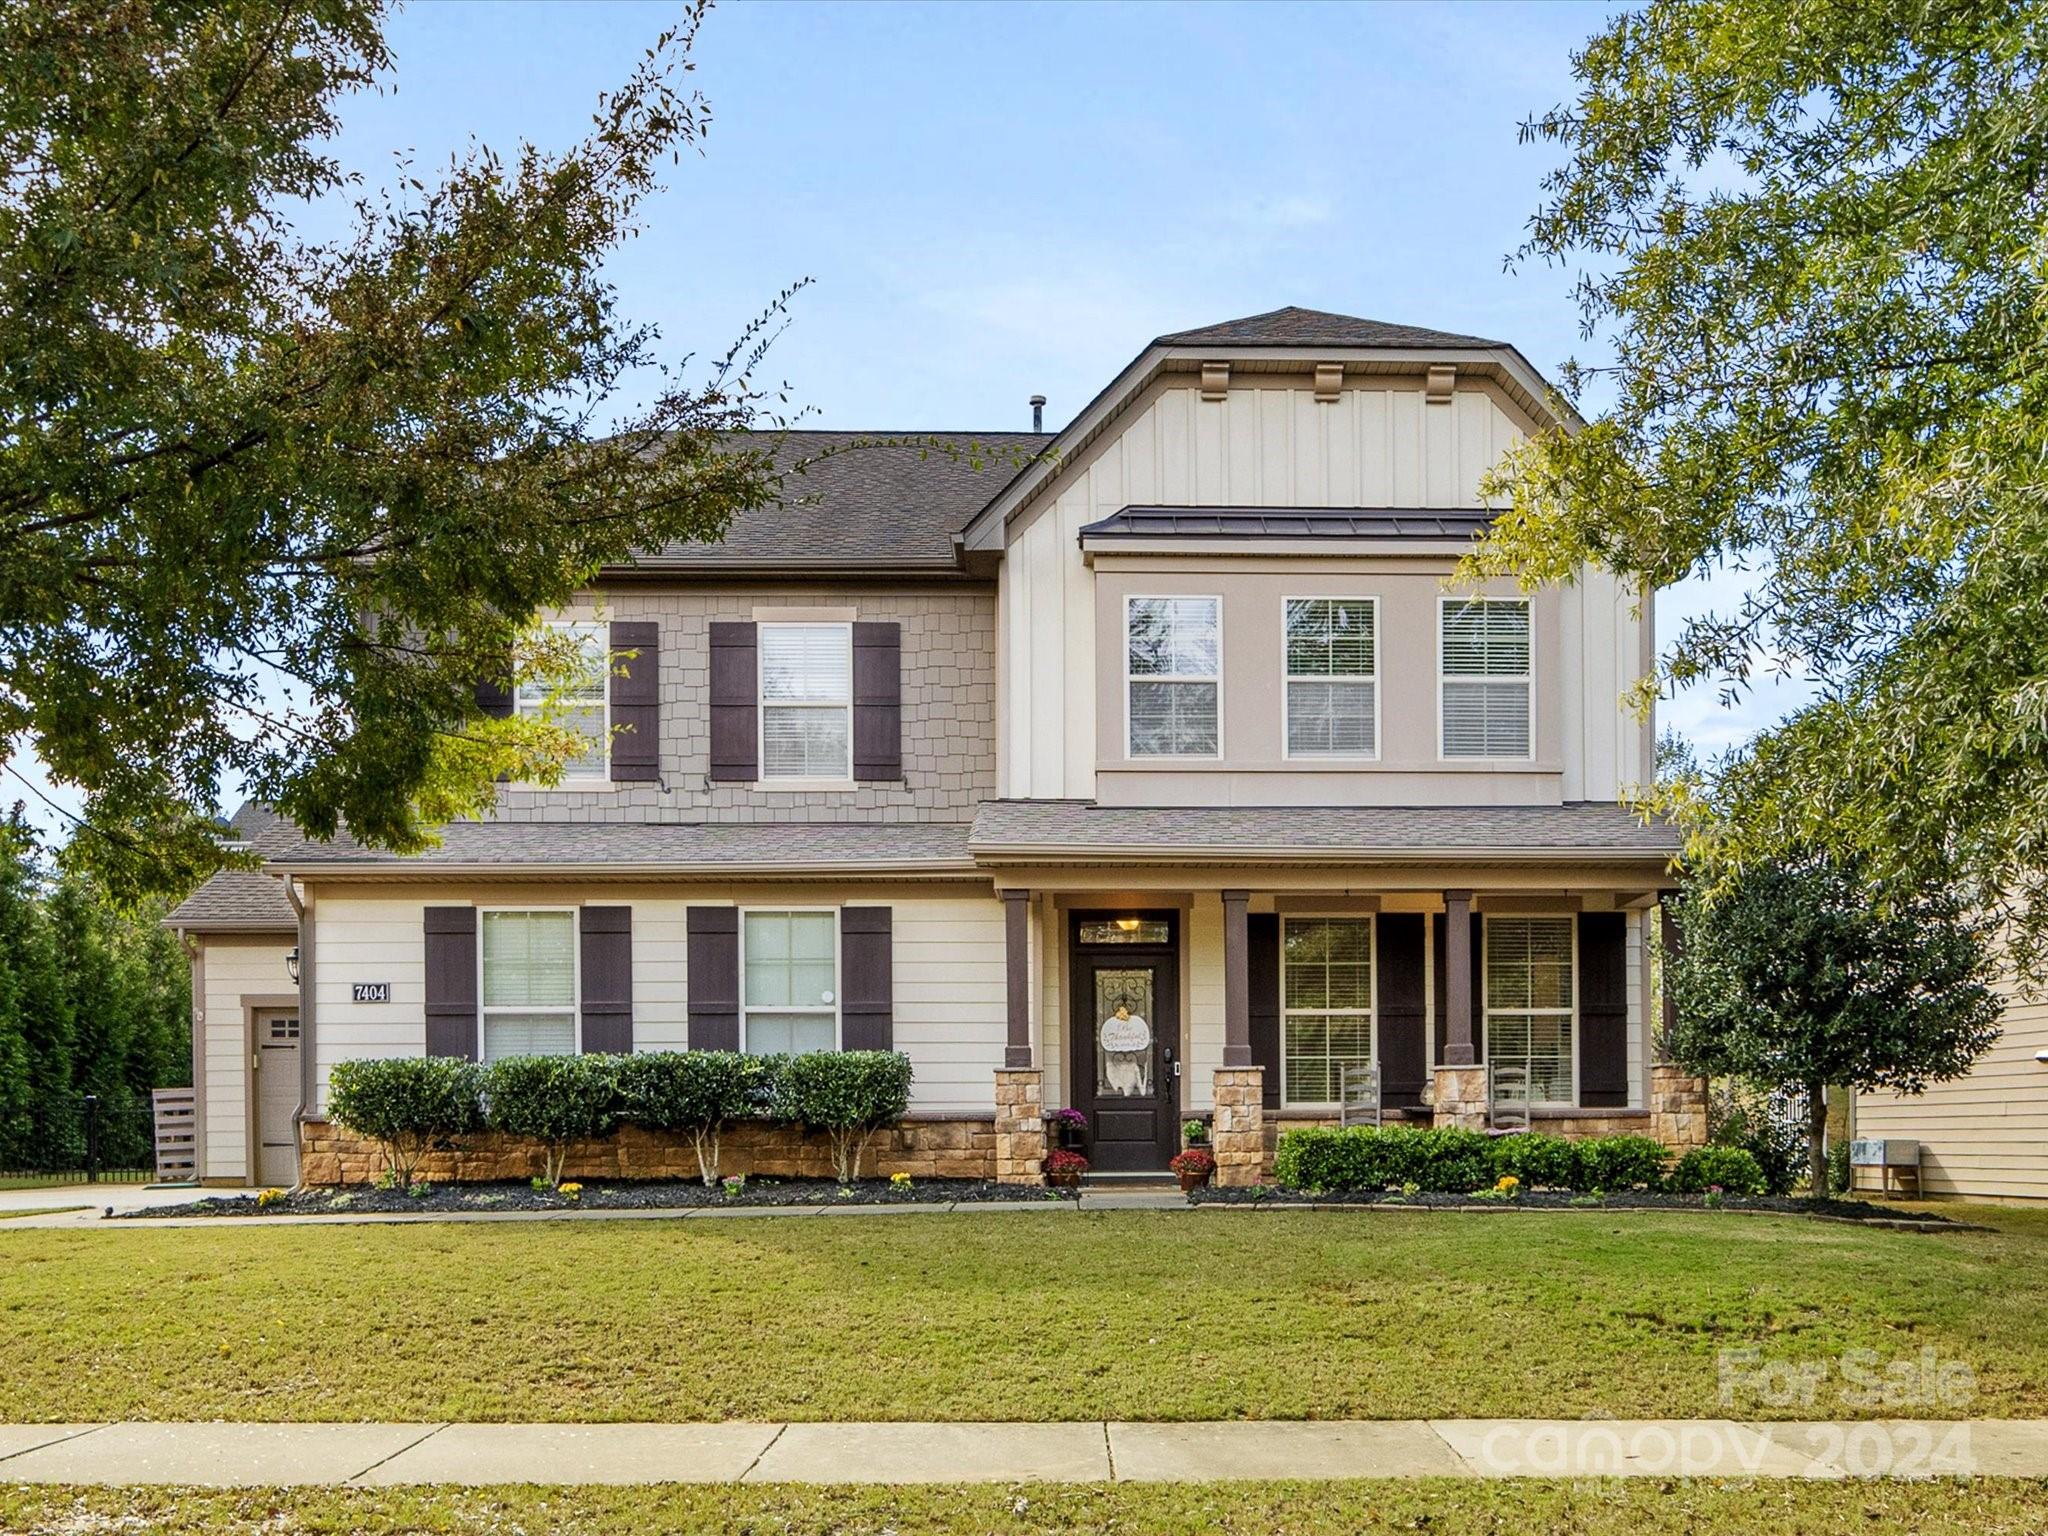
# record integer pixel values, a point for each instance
(949, 714)
(1237, 1130)
(930, 1149)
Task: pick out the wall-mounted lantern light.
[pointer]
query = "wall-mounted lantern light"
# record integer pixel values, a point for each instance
(291, 964)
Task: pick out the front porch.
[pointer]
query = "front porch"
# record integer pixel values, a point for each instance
(1240, 999)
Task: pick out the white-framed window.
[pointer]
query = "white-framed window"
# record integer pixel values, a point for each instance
(789, 980)
(806, 692)
(582, 702)
(1173, 669)
(529, 983)
(1332, 699)
(1485, 682)
(1530, 969)
(1326, 1004)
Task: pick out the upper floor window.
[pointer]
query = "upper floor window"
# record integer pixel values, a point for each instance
(581, 701)
(1531, 1013)
(529, 983)
(1326, 1004)
(1332, 677)
(1174, 661)
(1485, 684)
(806, 701)
(790, 981)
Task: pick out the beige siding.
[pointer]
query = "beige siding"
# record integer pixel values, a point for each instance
(949, 990)
(1986, 1134)
(1379, 445)
(1203, 1032)
(235, 969)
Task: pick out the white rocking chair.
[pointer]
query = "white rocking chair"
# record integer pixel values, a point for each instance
(1507, 1098)
(1358, 1095)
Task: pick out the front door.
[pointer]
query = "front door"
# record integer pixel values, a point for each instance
(1125, 1038)
(277, 1099)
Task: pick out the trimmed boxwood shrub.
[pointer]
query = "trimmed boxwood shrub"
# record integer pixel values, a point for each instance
(1539, 1161)
(1449, 1160)
(1733, 1169)
(407, 1105)
(849, 1095)
(559, 1101)
(696, 1093)
(1621, 1162)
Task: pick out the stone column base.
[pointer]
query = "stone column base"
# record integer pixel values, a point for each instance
(1238, 1135)
(1461, 1097)
(1678, 1107)
(1020, 1126)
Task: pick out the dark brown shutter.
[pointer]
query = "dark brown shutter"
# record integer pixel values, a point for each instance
(877, 701)
(1438, 963)
(735, 702)
(1262, 982)
(494, 694)
(451, 982)
(1603, 1010)
(636, 702)
(867, 979)
(1403, 1047)
(712, 937)
(607, 980)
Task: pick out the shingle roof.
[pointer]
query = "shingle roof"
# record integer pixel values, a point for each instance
(866, 498)
(1012, 828)
(758, 847)
(1290, 523)
(1296, 327)
(236, 901)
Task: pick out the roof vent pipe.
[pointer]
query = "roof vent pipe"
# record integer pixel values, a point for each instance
(1038, 413)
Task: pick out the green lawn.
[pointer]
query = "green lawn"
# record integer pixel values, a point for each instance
(1035, 1316)
(1646, 1508)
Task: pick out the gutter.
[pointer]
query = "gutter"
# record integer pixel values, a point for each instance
(309, 1078)
(410, 869)
(1206, 853)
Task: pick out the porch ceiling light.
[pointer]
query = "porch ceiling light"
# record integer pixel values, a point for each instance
(1128, 924)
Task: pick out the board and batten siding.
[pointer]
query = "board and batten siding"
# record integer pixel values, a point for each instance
(235, 968)
(948, 974)
(1987, 1133)
(1378, 445)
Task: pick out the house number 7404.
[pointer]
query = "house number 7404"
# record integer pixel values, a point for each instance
(370, 991)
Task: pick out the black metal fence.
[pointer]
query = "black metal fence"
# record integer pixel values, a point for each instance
(80, 1137)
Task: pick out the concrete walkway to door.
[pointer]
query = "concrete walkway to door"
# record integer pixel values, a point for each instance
(379, 1455)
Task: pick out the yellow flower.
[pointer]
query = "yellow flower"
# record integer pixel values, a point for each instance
(900, 1180)
(1508, 1184)
(570, 1191)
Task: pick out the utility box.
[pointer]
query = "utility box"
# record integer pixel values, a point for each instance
(1888, 1165)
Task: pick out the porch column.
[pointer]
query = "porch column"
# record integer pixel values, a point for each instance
(1458, 1050)
(1020, 1087)
(1237, 989)
(1460, 1082)
(1017, 969)
(1678, 1100)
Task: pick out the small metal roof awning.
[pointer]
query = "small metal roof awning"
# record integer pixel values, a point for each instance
(1398, 523)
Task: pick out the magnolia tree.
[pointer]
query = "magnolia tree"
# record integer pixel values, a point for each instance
(1801, 976)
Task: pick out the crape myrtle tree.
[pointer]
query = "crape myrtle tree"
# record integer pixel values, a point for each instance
(1810, 234)
(1794, 977)
(271, 506)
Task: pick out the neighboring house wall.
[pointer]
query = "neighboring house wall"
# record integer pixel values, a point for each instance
(1985, 1134)
(234, 969)
(949, 707)
(948, 969)
(1379, 445)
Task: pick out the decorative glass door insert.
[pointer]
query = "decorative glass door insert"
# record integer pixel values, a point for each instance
(1124, 1013)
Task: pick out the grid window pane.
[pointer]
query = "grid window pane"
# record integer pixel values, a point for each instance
(1173, 636)
(1486, 679)
(1331, 719)
(1529, 1001)
(528, 1034)
(1326, 1004)
(805, 742)
(1173, 719)
(806, 701)
(779, 1034)
(1486, 637)
(791, 959)
(576, 702)
(529, 959)
(1331, 637)
(1486, 719)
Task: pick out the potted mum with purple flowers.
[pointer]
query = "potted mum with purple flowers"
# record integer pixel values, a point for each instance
(1068, 1127)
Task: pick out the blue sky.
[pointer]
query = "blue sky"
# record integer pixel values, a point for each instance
(996, 200)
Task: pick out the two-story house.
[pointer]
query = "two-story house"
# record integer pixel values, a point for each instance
(1149, 767)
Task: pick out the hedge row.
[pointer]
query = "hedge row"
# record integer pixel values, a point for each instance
(410, 1104)
(1447, 1160)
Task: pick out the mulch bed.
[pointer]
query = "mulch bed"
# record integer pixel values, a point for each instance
(1562, 1200)
(620, 1195)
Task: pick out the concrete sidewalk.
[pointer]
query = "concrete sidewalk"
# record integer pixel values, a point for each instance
(381, 1455)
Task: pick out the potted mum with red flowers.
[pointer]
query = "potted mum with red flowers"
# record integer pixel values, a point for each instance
(1063, 1169)
(1196, 1166)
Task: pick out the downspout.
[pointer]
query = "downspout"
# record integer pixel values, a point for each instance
(308, 1075)
(195, 956)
